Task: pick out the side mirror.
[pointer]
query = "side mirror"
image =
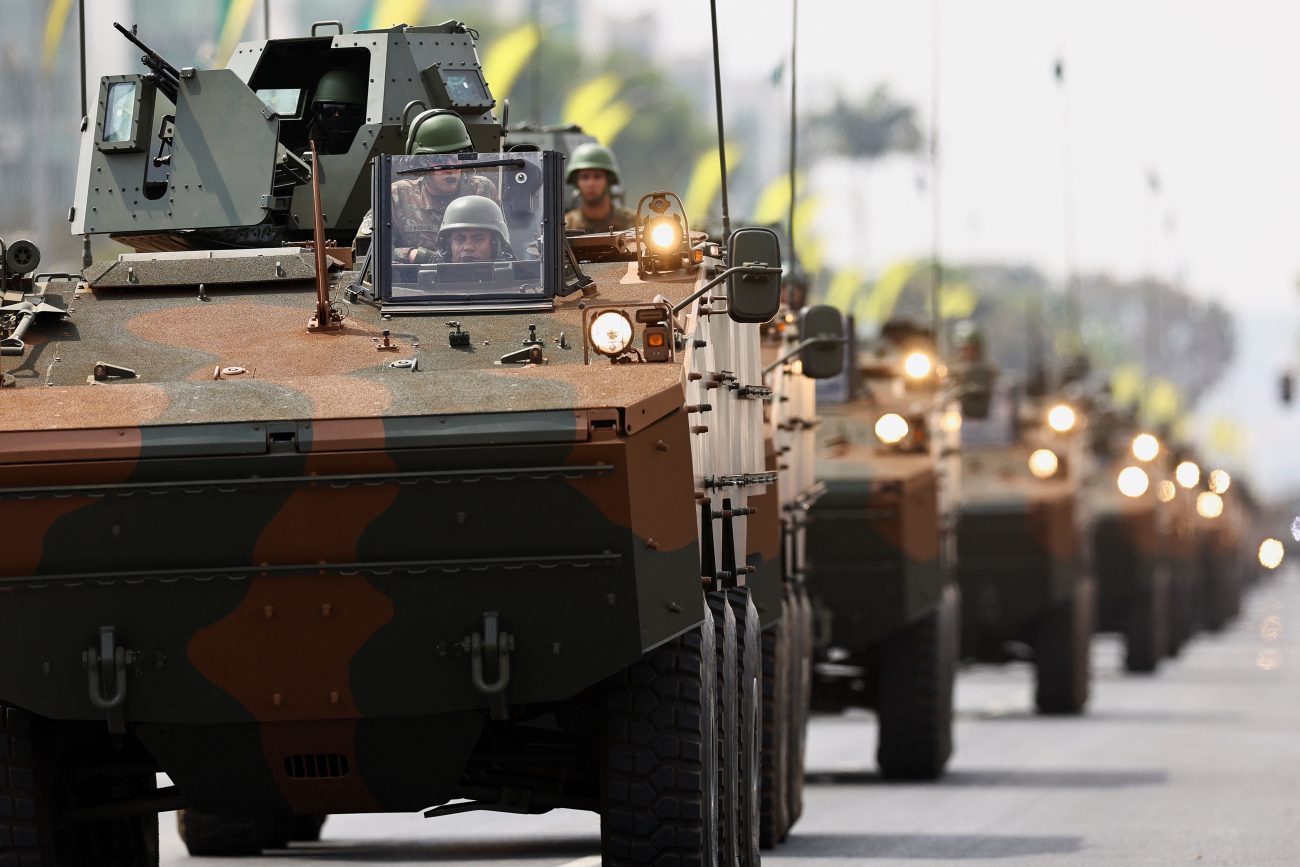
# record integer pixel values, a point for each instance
(821, 332)
(977, 391)
(754, 297)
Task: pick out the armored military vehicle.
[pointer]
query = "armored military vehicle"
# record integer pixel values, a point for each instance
(881, 549)
(1023, 545)
(796, 353)
(1132, 539)
(469, 536)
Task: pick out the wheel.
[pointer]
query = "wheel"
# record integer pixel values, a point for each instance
(1146, 634)
(1062, 653)
(659, 765)
(210, 834)
(749, 725)
(727, 652)
(801, 642)
(1179, 606)
(775, 647)
(914, 694)
(42, 775)
(306, 829)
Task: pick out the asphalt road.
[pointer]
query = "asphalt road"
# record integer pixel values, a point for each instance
(1198, 765)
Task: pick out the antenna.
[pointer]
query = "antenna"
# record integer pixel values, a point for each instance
(936, 237)
(722, 138)
(87, 258)
(326, 318)
(794, 117)
(1073, 313)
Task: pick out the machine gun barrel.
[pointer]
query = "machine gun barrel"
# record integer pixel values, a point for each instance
(168, 76)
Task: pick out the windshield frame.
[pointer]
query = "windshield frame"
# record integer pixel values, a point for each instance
(389, 168)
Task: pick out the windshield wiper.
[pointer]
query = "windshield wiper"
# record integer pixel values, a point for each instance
(457, 167)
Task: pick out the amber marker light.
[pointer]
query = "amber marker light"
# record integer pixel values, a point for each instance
(1061, 418)
(1188, 474)
(1133, 481)
(1043, 463)
(1209, 504)
(1145, 447)
(891, 428)
(1271, 553)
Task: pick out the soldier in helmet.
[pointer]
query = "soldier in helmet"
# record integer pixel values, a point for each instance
(474, 230)
(594, 171)
(337, 109)
(419, 203)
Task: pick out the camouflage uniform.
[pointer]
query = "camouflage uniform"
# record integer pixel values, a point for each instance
(417, 215)
(619, 218)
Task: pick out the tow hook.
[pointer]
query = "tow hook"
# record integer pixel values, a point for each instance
(492, 643)
(106, 669)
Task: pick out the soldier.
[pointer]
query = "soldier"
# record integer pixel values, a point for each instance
(474, 230)
(594, 171)
(419, 203)
(337, 109)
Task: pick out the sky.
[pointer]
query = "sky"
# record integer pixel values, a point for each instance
(1199, 94)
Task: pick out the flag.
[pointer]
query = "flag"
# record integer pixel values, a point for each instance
(386, 13)
(233, 24)
(587, 101)
(706, 181)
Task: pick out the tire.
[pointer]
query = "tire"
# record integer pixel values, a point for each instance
(775, 648)
(749, 727)
(727, 653)
(41, 775)
(1146, 633)
(801, 642)
(1062, 653)
(1179, 606)
(914, 695)
(306, 829)
(213, 835)
(659, 780)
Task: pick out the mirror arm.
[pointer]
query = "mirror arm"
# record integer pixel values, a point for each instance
(743, 270)
(800, 347)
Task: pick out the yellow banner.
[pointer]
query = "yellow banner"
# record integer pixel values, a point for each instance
(706, 182)
(386, 13)
(587, 101)
(56, 21)
(508, 56)
(232, 29)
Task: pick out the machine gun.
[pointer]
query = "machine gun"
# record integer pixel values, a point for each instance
(167, 76)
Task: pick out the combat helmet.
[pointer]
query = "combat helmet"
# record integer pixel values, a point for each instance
(474, 212)
(590, 155)
(341, 87)
(438, 131)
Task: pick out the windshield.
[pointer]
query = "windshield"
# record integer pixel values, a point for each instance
(462, 230)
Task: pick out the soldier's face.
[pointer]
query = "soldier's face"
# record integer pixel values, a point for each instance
(471, 245)
(444, 183)
(592, 185)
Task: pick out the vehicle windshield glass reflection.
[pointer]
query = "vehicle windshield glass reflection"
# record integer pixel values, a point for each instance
(465, 230)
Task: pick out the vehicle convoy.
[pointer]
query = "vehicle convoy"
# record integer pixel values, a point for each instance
(474, 535)
(881, 549)
(1023, 545)
(1133, 537)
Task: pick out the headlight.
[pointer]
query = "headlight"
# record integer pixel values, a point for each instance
(1061, 418)
(1209, 504)
(918, 365)
(891, 428)
(1188, 474)
(1133, 481)
(951, 421)
(1165, 491)
(1219, 481)
(1271, 553)
(665, 235)
(1145, 447)
(1043, 463)
(610, 333)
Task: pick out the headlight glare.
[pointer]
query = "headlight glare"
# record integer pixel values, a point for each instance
(1133, 481)
(891, 428)
(1043, 463)
(610, 333)
(1061, 418)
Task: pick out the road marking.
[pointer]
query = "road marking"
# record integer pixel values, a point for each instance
(589, 861)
